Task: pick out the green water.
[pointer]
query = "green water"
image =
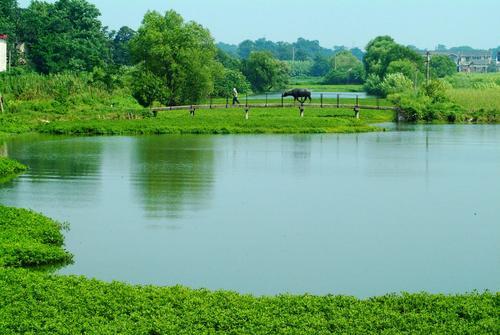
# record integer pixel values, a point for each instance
(361, 215)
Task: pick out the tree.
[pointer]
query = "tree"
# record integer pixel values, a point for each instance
(148, 88)
(66, 35)
(265, 72)
(120, 50)
(442, 66)
(321, 66)
(181, 54)
(246, 48)
(226, 79)
(408, 68)
(383, 50)
(345, 69)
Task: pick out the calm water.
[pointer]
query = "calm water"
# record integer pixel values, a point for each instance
(361, 214)
(315, 95)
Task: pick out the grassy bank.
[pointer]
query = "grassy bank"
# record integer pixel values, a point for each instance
(29, 239)
(9, 167)
(226, 121)
(35, 303)
(38, 302)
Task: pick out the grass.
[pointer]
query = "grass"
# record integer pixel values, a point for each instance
(9, 167)
(476, 99)
(227, 121)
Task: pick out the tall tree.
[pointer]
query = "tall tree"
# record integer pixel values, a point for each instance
(65, 35)
(265, 72)
(120, 50)
(179, 54)
(383, 50)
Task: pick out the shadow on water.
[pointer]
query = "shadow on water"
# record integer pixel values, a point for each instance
(173, 174)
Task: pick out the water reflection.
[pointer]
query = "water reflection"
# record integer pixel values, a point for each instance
(171, 174)
(57, 158)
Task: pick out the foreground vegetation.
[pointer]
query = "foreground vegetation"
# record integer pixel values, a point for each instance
(37, 302)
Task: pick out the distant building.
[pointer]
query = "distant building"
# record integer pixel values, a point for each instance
(3, 53)
(474, 61)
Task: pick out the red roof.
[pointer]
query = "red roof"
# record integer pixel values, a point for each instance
(3, 37)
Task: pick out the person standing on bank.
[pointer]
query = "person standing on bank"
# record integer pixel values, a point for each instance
(235, 97)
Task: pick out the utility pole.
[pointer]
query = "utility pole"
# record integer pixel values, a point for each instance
(428, 66)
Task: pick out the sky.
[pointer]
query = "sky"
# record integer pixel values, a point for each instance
(423, 23)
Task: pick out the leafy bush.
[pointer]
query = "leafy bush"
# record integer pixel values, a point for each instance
(396, 83)
(372, 85)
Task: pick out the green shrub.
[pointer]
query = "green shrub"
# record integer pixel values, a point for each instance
(29, 239)
(396, 83)
(10, 167)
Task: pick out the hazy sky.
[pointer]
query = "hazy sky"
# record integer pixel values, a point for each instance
(423, 23)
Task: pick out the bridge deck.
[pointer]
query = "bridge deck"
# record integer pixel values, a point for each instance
(272, 105)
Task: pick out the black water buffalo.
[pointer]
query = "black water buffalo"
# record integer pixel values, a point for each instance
(298, 94)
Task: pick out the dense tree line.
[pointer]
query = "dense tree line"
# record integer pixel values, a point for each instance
(170, 61)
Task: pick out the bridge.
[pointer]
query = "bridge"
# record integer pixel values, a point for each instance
(356, 107)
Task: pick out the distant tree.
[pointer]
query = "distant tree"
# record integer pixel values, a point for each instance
(228, 60)
(245, 48)
(441, 47)
(181, 54)
(321, 66)
(120, 46)
(345, 69)
(230, 49)
(358, 53)
(442, 66)
(265, 72)
(65, 35)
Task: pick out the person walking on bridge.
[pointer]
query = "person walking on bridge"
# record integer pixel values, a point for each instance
(235, 96)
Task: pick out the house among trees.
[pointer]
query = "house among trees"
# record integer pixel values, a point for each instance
(474, 61)
(3, 53)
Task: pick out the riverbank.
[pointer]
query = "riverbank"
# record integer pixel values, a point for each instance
(10, 168)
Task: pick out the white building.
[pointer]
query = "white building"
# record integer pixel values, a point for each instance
(3, 53)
